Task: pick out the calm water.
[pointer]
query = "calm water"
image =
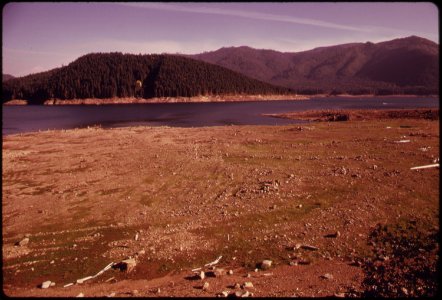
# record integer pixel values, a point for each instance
(19, 119)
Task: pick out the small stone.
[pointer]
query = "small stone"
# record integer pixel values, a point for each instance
(404, 290)
(237, 285)
(141, 252)
(219, 272)
(256, 270)
(340, 295)
(309, 247)
(136, 236)
(327, 276)
(128, 265)
(111, 295)
(299, 206)
(333, 235)
(52, 262)
(46, 284)
(134, 292)
(224, 294)
(205, 286)
(23, 242)
(81, 295)
(230, 272)
(242, 294)
(158, 290)
(202, 275)
(52, 284)
(266, 264)
(247, 284)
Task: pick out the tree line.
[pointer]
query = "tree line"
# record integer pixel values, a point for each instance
(109, 75)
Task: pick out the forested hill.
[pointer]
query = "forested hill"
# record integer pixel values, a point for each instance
(405, 65)
(6, 77)
(109, 75)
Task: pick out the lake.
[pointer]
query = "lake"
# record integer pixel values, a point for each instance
(20, 119)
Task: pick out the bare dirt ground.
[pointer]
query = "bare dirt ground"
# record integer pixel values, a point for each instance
(175, 199)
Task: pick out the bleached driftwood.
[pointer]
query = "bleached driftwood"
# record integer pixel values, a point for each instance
(425, 167)
(209, 264)
(79, 281)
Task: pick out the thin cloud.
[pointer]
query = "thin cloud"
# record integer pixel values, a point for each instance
(244, 14)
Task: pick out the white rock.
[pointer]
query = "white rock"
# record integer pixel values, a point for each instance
(81, 295)
(205, 286)
(327, 276)
(247, 284)
(46, 284)
(23, 242)
(128, 264)
(202, 275)
(266, 264)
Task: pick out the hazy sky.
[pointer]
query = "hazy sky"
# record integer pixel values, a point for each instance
(41, 36)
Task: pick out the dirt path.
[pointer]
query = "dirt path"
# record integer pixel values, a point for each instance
(178, 198)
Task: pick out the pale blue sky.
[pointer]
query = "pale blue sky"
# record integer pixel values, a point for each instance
(41, 36)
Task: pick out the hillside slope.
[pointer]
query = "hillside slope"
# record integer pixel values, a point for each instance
(406, 65)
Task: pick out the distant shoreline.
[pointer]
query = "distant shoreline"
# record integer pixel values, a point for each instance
(199, 99)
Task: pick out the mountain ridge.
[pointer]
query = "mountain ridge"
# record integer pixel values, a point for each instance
(409, 63)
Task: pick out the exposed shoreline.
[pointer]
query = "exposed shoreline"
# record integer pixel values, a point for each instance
(178, 198)
(197, 99)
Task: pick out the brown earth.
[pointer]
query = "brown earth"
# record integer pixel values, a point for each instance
(246, 193)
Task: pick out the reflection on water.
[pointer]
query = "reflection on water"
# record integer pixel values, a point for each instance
(19, 119)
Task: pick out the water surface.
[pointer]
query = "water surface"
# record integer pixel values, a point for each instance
(20, 119)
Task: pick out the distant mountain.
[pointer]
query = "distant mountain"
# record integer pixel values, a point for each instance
(6, 77)
(109, 75)
(409, 65)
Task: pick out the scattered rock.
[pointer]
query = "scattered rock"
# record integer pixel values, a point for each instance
(242, 294)
(266, 264)
(202, 275)
(219, 272)
(23, 242)
(52, 283)
(333, 235)
(340, 295)
(247, 284)
(45, 284)
(127, 265)
(230, 272)
(404, 290)
(223, 294)
(141, 252)
(205, 286)
(299, 206)
(81, 295)
(111, 295)
(237, 285)
(327, 276)
(309, 247)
